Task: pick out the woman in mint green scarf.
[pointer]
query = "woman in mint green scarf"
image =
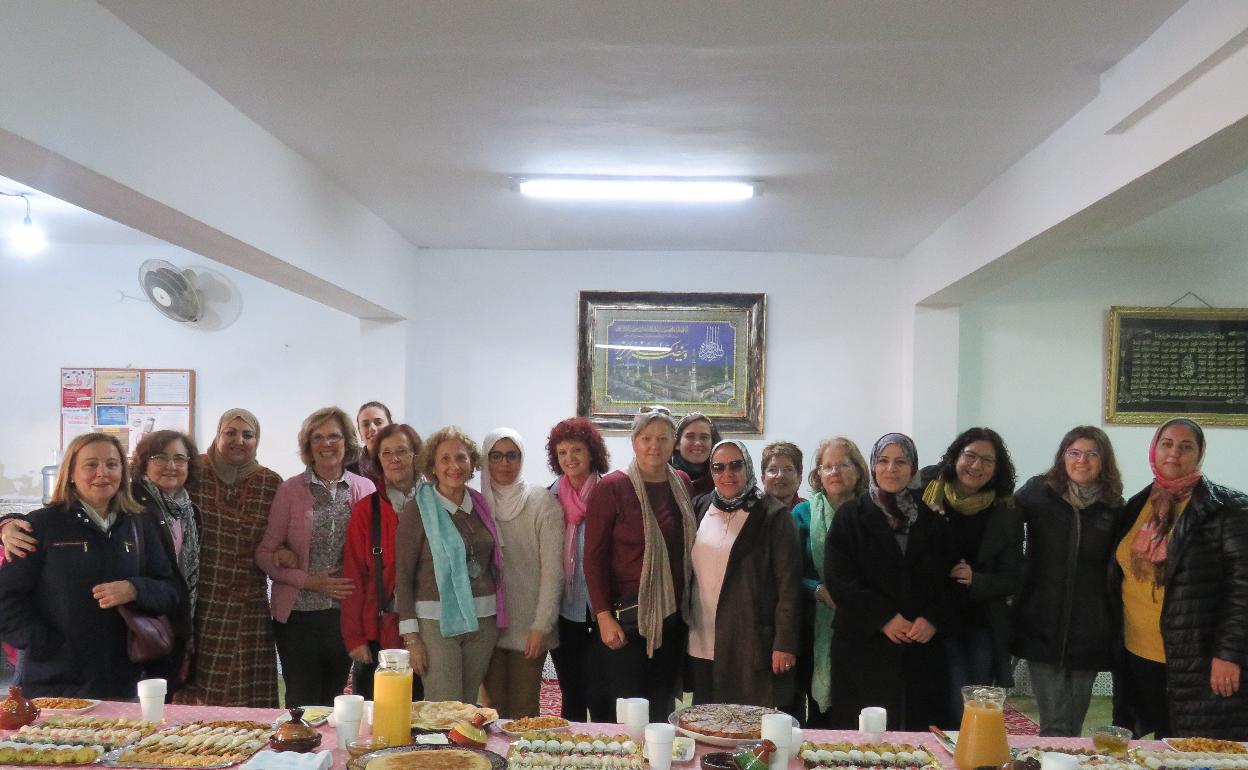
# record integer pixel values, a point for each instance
(840, 474)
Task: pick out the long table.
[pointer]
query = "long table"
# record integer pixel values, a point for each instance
(498, 742)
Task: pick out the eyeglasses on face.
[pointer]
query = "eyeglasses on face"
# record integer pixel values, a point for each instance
(836, 467)
(1075, 455)
(164, 458)
(656, 409)
(973, 458)
(785, 470)
(498, 457)
(736, 466)
(332, 438)
(396, 454)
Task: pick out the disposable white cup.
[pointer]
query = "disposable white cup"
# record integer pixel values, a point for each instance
(795, 744)
(368, 713)
(152, 699)
(621, 710)
(660, 736)
(348, 708)
(1054, 760)
(637, 714)
(778, 728)
(872, 723)
(347, 731)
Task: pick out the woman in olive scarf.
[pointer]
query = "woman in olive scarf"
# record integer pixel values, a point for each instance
(235, 663)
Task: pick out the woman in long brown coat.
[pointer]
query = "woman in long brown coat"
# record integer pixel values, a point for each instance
(745, 606)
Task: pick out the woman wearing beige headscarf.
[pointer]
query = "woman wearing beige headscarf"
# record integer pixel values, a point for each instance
(235, 663)
(639, 532)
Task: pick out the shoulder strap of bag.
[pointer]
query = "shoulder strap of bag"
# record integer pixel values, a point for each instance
(138, 540)
(378, 563)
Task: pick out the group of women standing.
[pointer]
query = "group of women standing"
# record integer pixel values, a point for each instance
(893, 585)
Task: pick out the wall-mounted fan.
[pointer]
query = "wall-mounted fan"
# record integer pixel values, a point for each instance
(202, 298)
(170, 290)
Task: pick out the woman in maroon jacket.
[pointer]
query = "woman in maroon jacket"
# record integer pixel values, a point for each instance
(364, 629)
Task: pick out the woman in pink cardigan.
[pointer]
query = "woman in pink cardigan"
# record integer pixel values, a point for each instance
(302, 552)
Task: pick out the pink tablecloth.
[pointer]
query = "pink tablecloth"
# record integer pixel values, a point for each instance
(499, 742)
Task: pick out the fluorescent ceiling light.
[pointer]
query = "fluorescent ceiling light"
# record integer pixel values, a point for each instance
(644, 189)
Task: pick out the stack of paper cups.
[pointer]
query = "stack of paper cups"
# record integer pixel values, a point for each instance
(152, 699)
(659, 739)
(778, 728)
(633, 713)
(872, 722)
(348, 713)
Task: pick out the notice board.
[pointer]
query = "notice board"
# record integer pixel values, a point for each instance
(129, 403)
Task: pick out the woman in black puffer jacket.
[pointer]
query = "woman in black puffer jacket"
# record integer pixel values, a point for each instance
(1063, 616)
(1183, 578)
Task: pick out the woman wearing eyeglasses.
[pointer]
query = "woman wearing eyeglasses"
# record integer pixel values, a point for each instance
(1181, 574)
(302, 552)
(745, 602)
(782, 472)
(971, 486)
(639, 531)
(887, 563)
(840, 476)
(372, 528)
(1062, 613)
(530, 525)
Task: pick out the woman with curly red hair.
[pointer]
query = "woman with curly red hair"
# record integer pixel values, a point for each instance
(576, 454)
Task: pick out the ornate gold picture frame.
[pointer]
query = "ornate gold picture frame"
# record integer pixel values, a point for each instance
(700, 352)
(1172, 362)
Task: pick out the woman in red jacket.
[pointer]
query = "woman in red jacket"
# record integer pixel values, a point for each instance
(364, 629)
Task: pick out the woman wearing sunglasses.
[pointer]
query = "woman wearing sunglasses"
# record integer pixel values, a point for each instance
(746, 561)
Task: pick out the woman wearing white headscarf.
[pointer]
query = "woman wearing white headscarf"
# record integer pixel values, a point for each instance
(887, 562)
(747, 562)
(530, 526)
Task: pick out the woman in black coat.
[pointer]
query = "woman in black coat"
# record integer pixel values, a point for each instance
(59, 604)
(887, 566)
(972, 486)
(1184, 559)
(746, 597)
(1063, 617)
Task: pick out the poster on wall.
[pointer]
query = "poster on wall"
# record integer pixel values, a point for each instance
(74, 422)
(77, 388)
(117, 386)
(148, 419)
(697, 352)
(166, 386)
(110, 414)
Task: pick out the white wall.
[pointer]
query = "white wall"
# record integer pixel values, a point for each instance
(1033, 355)
(502, 350)
(284, 356)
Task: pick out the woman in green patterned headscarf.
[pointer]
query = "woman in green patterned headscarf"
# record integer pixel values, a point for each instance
(840, 474)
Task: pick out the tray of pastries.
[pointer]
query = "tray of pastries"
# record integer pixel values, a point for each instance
(722, 724)
(66, 705)
(194, 744)
(577, 752)
(845, 755)
(1217, 760)
(1215, 745)
(428, 758)
(444, 714)
(530, 726)
(19, 753)
(108, 732)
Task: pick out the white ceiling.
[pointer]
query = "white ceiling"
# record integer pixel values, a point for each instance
(869, 122)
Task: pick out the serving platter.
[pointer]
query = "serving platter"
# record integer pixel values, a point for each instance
(443, 715)
(510, 729)
(674, 720)
(1215, 745)
(362, 762)
(44, 704)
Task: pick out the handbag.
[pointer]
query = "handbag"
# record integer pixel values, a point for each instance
(148, 636)
(625, 612)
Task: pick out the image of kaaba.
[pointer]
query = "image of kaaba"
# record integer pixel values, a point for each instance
(667, 362)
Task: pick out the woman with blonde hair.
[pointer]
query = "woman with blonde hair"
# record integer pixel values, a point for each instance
(839, 475)
(309, 519)
(58, 604)
(450, 584)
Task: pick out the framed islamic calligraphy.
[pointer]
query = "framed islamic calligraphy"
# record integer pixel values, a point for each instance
(1177, 362)
(700, 352)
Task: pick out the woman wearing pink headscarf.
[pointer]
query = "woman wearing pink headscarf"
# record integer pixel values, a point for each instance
(1183, 566)
(576, 453)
